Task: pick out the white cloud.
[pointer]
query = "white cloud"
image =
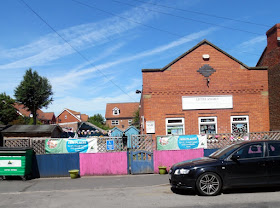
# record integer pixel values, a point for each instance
(253, 41)
(52, 47)
(81, 75)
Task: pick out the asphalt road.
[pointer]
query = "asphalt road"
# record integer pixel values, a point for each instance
(124, 191)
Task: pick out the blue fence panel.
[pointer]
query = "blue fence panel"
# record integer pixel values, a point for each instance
(129, 132)
(54, 165)
(116, 132)
(208, 152)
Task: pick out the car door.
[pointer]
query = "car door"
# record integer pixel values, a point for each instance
(249, 168)
(273, 162)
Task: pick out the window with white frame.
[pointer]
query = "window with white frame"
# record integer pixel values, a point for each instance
(239, 124)
(207, 125)
(175, 126)
(129, 122)
(116, 111)
(115, 122)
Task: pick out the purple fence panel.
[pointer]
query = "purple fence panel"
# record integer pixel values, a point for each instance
(113, 163)
(169, 157)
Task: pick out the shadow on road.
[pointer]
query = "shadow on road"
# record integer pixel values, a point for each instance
(252, 190)
(183, 191)
(231, 191)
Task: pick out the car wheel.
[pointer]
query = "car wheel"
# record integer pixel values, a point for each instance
(209, 184)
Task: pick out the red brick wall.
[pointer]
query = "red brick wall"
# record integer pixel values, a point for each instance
(271, 58)
(123, 123)
(162, 92)
(70, 118)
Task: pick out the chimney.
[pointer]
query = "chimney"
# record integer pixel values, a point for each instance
(271, 59)
(273, 37)
(271, 55)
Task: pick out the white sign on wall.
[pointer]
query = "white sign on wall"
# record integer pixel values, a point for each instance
(150, 127)
(207, 102)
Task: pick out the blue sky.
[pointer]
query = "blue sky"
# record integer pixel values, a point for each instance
(112, 40)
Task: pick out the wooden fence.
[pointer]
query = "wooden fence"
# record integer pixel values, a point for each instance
(145, 142)
(38, 144)
(215, 141)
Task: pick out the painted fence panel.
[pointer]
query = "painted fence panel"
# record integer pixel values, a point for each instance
(114, 163)
(54, 165)
(169, 157)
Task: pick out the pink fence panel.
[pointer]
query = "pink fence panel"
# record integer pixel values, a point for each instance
(113, 163)
(170, 157)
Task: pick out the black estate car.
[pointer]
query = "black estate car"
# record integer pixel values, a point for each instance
(245, 164)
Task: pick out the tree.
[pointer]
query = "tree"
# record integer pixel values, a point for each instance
(97, 118)
(136, 119)
(34, 92)
(8, 113)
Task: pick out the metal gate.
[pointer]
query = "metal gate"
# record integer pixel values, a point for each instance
(140, 156)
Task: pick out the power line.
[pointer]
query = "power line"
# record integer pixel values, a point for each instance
(78, 52)
(205, 14)
(191, 19)
(139, 23)
(112, 14)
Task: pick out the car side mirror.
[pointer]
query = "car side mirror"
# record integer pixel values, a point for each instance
(235, 157)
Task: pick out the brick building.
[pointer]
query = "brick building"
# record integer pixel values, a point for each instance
(120, 114)
(205, 90)
(271, 58)
(69, 120)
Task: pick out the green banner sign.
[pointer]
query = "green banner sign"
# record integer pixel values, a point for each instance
(88, 145)
(181, 142)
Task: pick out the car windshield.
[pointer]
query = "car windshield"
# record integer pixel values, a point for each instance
(224, 152)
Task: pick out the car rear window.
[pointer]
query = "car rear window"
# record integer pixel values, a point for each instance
(274, 149)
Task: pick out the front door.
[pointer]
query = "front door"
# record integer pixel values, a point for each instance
(249, 168)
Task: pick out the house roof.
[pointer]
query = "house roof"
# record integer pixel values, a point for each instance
(126, 110)
(31, 129)
(48, 115)
(22, 110)
(84, 117)
(195, 47)
(80, 117)
(40, 114)
(73, 112)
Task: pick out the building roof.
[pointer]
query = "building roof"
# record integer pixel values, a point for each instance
(84, 117)
(22, 110)
(48, 116)
(73, 112)
(31, 129)
(126, 110)
(3, 127)
(195, 47)
(91, 125)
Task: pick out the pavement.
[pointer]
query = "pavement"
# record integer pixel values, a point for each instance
(149, 191)
(14, 184)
